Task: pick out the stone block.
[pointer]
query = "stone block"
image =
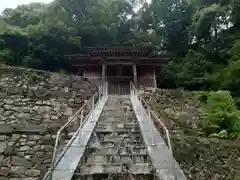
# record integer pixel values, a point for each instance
(8, 101)
(3, 146)
(19, 161)
(23, 115)
(54, 118)
(4, 171)
(1, 158)
(9, 151)
(15, 137)
(47, 137)
(34, 137)
(3, 137)
(7, 107)
(31, 129)
(31, 143)
(6, 162)
(24, 148)
(68, 111)
(33, 172)
(6, 129)
(18, 169)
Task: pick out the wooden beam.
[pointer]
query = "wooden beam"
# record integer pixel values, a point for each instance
(155, 58)
(122, 63)
(135, 75)
(78, 71)
(103, 72)
(84, 72)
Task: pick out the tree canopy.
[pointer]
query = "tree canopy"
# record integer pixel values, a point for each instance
(203, 35)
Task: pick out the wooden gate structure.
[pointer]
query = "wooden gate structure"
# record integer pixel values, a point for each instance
(119, 66)
(118, 78)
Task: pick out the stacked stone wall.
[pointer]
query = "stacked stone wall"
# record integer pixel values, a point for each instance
(33, 106)
(201, 157)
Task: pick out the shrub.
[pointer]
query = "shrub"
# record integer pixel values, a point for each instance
(5, 56)
(31, 77)
(222, 117)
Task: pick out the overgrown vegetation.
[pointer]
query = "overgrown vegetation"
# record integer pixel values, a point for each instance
(222, 117)
(203, 36)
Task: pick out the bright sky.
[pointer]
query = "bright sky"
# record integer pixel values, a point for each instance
(14, 3)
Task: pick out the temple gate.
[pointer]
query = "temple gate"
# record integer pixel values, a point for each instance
(119, 66)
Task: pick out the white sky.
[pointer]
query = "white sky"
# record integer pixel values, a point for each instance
(14, 3)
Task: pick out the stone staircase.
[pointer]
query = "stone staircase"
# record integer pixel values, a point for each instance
(116, 149)
(118, 141)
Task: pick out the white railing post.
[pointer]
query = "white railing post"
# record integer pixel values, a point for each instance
(141, 110)
(92, 109)
(106, 88)
(153, 144)
(81, 117)
(170, 149)
(99, 95)
(130, 88)
(81, 122)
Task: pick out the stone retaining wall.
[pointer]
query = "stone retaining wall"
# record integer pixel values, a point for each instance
(33, 106)
(200, 157)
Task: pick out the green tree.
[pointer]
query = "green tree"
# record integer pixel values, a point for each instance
(191, 71)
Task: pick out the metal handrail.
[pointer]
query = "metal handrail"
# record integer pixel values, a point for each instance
(102, 91)
(134, 91)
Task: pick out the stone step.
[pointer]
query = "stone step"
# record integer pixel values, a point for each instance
(116, 145)
(116, 150)
(103, 130)
(118, 127)
(141, 168)
(100, 169)
(114, 176)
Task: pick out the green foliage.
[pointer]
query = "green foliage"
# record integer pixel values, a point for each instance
(5, 55)
(222, 134)
(203, 35)
(31, 77)
(228, 77)
(206, 21)
(31, 62)
(203, 97)
(222, 118)
(190, 71)
(235, 4)
(39, 35)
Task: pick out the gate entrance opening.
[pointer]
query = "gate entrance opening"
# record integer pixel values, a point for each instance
(119, 78)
